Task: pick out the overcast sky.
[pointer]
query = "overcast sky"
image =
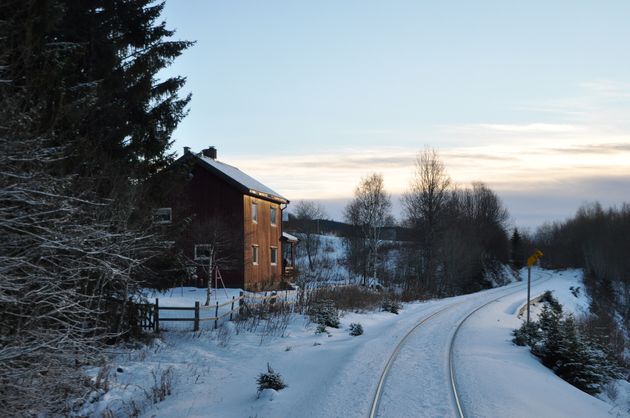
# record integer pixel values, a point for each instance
(532, 98)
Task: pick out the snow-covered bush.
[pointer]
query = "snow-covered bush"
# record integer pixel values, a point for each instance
(356, 329)
(391, 306)
(162, 384)
(270, 380)
(561, 346)
(325, 313)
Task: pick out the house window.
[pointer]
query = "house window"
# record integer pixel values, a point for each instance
(254, 212)
(162, 216)
(203, 251)
(274, 256)
(255, 254)
(272, 211)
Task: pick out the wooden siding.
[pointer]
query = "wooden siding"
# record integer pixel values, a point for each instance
(211, 198)
(265, 235)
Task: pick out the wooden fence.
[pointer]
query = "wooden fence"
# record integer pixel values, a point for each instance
(237, 306)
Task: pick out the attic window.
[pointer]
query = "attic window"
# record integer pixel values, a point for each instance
(203, 251)
(162, 216)
(254, 212)
(272, 212)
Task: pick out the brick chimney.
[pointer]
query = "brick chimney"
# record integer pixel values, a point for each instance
(210, 152)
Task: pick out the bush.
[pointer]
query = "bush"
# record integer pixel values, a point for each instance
(324, 312)
(349, 298)
(356, 329)
(526, 334)
(550, 300)
(561, 346)
(391, 306)
(270, 380)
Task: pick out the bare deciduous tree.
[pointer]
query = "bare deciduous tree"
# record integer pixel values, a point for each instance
(368, 213)
(306, 215)
(425, 205)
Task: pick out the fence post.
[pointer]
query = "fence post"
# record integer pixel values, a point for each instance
(273, 296)
(232, 309)
(196, 326)
(240, 303)
(156, 316)
(216, 315)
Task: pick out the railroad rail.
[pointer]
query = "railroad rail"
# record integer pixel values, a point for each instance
(451, 368)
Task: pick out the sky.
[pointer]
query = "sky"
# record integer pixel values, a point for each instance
(531, 98)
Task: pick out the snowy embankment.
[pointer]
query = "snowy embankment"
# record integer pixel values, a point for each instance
(501, 379)
(328, 375)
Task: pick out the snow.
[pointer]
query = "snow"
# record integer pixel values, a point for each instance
(504, 380)
(334, 374)
(239, 176)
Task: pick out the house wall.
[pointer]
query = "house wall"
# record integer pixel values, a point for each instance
(216, 206)
(265, 235)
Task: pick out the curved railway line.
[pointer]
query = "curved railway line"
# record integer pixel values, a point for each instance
(451, 367)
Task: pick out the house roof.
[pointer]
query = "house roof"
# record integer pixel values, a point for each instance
(289, 237)
(236, 177)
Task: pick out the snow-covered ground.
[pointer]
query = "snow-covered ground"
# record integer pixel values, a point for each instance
(330, 375)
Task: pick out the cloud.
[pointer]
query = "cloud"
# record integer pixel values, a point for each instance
(536, 128)
(613, 148)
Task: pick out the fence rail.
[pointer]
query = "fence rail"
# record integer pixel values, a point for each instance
(237, 305)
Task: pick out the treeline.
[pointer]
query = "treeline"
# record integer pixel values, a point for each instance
(84, 121)
(596, 240)
(456, 242)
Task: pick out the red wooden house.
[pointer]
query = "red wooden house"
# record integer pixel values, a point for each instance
(235, 220)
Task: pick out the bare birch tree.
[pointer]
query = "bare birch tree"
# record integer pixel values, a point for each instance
(368, 213)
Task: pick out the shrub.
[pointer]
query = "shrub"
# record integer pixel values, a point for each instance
(321, 328)
(392, 306)
(550, 300)
(526, 334)
(325, 313)
(561, 346)
(270, 380)
(356, 329)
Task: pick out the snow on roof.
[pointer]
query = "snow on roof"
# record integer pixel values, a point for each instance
(252, 185)
(289, 237)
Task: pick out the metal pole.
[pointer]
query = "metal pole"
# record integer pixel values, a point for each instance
(529, 277)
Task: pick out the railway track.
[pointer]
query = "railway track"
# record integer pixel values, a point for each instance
(451, 366)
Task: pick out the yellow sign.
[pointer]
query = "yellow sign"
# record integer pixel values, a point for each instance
(534, 257)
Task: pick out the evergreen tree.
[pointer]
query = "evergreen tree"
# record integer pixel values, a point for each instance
(550, 342)
(516, 250)
(577, 362)
(92, 66)
(83, 120)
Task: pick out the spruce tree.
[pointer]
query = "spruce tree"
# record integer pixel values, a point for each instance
(83, 121)
(577, 362)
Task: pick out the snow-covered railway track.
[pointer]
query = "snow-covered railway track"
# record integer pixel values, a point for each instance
(381, 383)
(457, 320)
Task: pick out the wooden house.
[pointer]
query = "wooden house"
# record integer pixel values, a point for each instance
(235, 223)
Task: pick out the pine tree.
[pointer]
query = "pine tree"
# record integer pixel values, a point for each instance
(83, 121)
(550, 342)
(516, 251)
(92, 65)
(577, 362)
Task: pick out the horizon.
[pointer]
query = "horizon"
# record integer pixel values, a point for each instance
(530, 99)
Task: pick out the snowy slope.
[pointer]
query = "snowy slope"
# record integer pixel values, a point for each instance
(336, 375)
